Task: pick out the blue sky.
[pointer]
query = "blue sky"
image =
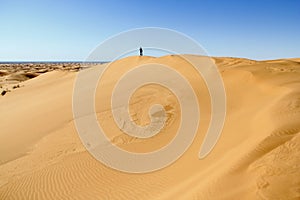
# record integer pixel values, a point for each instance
(70, 30)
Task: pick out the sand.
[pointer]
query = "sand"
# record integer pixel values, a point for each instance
(257, 156)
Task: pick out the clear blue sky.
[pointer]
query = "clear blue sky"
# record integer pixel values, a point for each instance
(69, 30)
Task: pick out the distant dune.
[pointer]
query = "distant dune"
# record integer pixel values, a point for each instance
(257, 156)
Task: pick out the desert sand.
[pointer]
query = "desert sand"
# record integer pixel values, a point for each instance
(257, 156)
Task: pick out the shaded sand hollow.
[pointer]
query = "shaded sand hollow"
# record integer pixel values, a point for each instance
(257, 156)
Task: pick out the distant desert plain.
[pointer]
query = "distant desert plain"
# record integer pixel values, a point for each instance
(256, 157)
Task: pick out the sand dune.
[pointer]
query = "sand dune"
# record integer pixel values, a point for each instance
(13, 74)
(257, 156)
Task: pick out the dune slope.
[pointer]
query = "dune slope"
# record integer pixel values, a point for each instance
(257, 156)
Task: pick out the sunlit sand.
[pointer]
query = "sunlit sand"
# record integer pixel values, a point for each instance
(257, 156)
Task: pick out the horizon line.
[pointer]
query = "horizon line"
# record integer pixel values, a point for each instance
(106, 61)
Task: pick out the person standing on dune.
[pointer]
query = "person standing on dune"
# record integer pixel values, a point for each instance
(141, 51)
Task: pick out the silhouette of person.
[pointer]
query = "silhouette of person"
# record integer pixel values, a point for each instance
(141, 51)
